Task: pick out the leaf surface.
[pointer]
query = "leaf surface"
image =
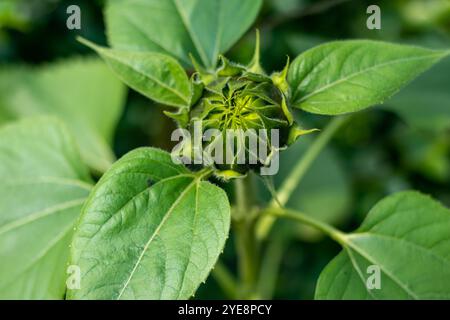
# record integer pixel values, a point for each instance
(407, 236)
(347, 76)
(150, 230)
(43, 185)
(204, 28)
(156, 76)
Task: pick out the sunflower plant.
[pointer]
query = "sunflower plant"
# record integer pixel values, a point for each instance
(154, 228)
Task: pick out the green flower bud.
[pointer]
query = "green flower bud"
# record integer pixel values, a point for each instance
(247, 102)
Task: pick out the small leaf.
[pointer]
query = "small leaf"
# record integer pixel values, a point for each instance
(179, 27)
(347, 76)
(136, 241)
(406, 236)
(42, 188)
(156, 76)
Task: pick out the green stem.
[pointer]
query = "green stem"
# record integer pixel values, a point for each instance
(296, 175)
(244, 198)
(246, 244)
(327, 229)
(302, 167)
(270, 266)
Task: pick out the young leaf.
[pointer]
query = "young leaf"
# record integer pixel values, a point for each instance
(156, 76)
(347, 76)
(204, 28)
(42, 188)
(406, 237)
(81, 92)
(149, 230)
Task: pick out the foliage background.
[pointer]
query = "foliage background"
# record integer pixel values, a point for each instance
(380, 151)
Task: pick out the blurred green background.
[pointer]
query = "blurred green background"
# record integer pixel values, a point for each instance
(403, 144)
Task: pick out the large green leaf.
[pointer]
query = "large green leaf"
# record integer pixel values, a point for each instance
(425, 103)
(347, 76)
(82, 92)
(43, 185)
(156, 76)
(149, 230)
(407, 236)
(204, 28)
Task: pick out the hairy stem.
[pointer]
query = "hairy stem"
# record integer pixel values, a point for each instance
(270, 266)
(292, 181)
(246, 244)
(244, 198)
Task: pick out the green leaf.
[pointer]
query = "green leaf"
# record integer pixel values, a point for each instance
(149, 230)
(347, 76)
(81, 92)
(425, 103)
(204, 28)
(156, 76)
(407, 236)
(43, 185)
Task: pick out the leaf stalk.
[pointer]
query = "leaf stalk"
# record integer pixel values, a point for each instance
(290, 184)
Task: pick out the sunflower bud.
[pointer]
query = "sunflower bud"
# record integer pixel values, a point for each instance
(239, 111)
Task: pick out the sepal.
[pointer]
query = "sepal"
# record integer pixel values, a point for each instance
(295, 132)
(181, 116)
(280, 79)
(228, 68)
(255, 64)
